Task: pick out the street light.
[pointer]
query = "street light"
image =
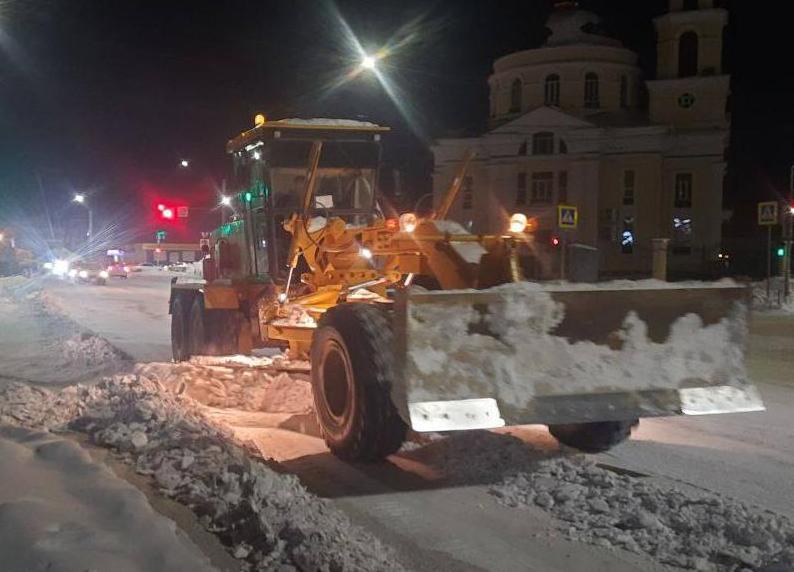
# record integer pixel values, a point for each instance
(79, 198)
(368, 62)
(226, 200)
(184, 163)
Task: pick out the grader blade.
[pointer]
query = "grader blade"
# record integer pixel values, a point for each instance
(542, 353)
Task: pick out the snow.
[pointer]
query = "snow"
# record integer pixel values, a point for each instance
(323, 121)
(775, 302)
(60, 510)
(684, 528)
(518, 358)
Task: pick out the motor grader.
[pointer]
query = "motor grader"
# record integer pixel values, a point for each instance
(414, 322)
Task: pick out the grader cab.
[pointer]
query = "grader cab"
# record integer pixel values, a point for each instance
(310, 262)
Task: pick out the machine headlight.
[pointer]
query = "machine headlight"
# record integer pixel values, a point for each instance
(408, 222)
(103, 274)
(365, 253)
(83, 274)
(126, 269)
(60, 267)
(72, 273)
(518, 222)
(48, 265)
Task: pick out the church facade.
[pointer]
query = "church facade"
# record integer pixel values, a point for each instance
(574, 123)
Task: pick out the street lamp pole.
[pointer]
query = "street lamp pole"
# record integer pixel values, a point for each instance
(79, 198)
(789, 232)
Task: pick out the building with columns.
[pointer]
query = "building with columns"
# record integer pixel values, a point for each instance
(574, 122)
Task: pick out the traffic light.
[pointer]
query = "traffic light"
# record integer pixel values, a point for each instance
(781, 251)
(555, 240)
(167, 213)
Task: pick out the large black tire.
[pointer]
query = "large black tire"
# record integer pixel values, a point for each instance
(180, 346)
(352, 359)
(212, 332)
(593, 437)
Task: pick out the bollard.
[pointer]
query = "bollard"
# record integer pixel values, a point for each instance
(660, 258)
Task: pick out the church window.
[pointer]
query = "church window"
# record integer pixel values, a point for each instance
(683, 190)
(468, 193)
(628, 188)
(688, 54)
(552, 93)
(624, 91)
(543, 143)
(516, 90)
(542, 187)
(591, 96)
(607, 224)
(521, 189)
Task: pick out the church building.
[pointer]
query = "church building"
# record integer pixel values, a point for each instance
(574, 122)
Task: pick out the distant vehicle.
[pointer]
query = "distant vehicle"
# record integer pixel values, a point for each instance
(118, 270)
(88, 274)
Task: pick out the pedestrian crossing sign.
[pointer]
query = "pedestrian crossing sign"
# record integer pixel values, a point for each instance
(567, 216)
(767, 213)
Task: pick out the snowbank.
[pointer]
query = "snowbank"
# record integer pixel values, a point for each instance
(266, 518)
(775, 302)
(693, 530)
(60, 510)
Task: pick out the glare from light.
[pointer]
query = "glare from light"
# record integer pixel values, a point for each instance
(168, 213)
(72, 273)
(79, 198)
(161, 207)
(282, 297)
(226, 200)
(791, 211)
(126, 269)
(365, 253)
(518, 222)
(184, 163)
(408, 222)
(368, 62)
(60, 267)
(83, 274)
(257, 155)
(103, 274)
(2, 237)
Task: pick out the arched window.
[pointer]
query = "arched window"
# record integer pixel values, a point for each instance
(516, 90)
(624, 91)
(591, 97)
(690, 4)
(688, 54)
(543, 143)
(552, 93)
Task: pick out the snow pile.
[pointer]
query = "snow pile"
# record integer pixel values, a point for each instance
(506, 350)
(89, 351)
(233, 385)
(296, 121)
(60, 510)
(775, 301)
(697, 531)
(267, 519)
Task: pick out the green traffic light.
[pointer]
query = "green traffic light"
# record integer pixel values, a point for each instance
(781, 251)
(248, 196)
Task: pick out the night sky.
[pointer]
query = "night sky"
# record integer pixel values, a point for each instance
(108, 96)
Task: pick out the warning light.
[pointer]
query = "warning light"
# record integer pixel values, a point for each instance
(392, 224)
(555, 241)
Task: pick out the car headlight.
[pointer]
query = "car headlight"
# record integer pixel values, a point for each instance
(518, 222)
(48, 265)
(408, 222)
(72, 273)
(60, 267)
(126, 269)
(103, 274)
(83, 274)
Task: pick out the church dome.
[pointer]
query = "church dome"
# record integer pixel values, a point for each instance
(570, 26)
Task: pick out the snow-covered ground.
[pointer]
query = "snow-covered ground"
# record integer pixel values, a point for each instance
(685, 492)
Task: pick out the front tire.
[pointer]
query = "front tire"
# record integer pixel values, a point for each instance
(180, 349)
(593, 437)
(352, 359)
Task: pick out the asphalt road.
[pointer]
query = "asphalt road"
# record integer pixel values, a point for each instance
(748, 456)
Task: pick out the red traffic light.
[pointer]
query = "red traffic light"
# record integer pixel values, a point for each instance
(161, 207)
(555, 241)
(168, 213)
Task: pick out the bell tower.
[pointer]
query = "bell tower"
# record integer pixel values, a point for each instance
(692, 84)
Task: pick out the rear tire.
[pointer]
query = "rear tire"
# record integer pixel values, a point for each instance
(180, 349)
(212, 332)
(352, 359)
(593, 437)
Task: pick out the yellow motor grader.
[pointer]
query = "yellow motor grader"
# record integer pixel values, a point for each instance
(414, 322)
